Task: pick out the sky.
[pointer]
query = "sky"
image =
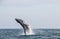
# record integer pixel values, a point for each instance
(38, 13)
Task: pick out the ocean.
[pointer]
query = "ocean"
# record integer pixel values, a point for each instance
(38, 34)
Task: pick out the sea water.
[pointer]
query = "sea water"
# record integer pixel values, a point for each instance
(38, 34)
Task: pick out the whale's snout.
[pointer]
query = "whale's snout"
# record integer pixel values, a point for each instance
(19, 20)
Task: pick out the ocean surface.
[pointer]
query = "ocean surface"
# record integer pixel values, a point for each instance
(38, 34)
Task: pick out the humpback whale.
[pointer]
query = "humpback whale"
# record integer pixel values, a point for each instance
(26, 27)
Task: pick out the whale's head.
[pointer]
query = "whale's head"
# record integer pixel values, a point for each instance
(19, 20)
(22, 23)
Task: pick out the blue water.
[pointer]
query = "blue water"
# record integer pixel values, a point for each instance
(39, 34)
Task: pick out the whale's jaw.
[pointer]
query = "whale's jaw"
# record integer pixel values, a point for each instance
(26, 27)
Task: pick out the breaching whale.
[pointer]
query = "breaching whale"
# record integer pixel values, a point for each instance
(26, 26)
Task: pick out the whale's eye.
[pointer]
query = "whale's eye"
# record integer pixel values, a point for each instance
(21, 21)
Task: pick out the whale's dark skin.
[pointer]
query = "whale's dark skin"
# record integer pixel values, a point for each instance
(24, 25)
